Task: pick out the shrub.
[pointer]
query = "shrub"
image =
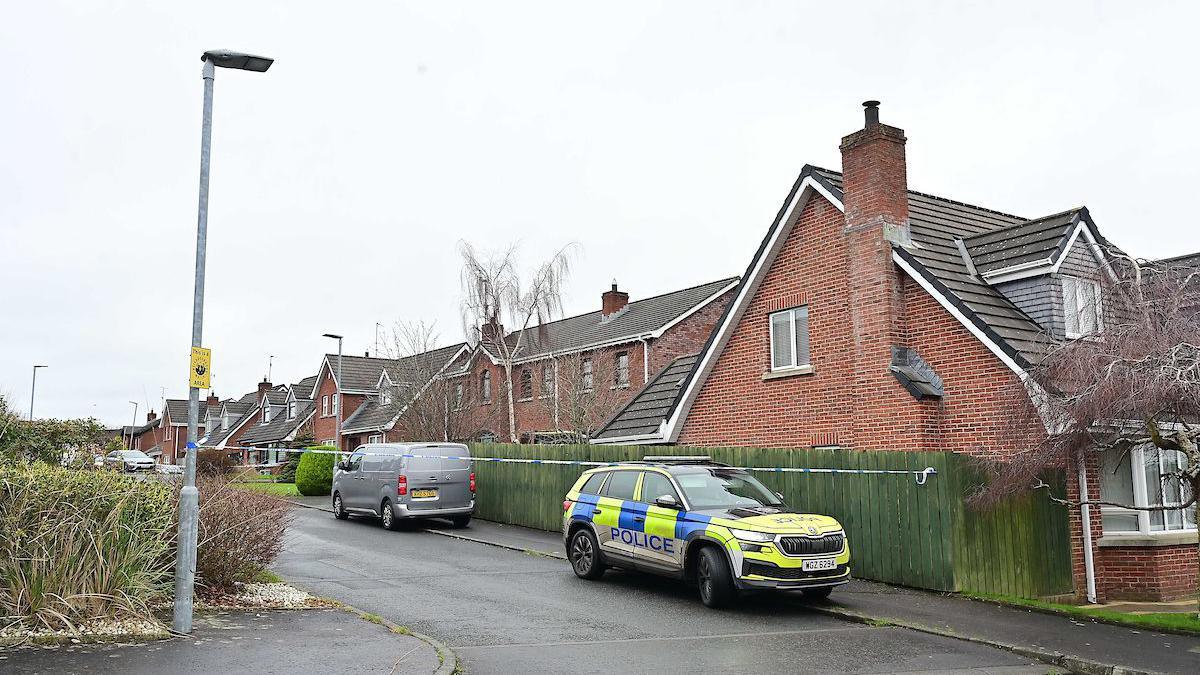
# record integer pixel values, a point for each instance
(240, 533)
(287, 474)
(78, 545)
(214, 462)
(314, 475)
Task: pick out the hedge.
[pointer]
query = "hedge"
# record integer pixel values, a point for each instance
(314, 475)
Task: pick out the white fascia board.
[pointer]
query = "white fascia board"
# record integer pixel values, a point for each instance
(738, 308)
(624, 339)
(702, 304)
(640, 439)
(954, 311)
(238, 425)
(1025, 270)
(1070, 242)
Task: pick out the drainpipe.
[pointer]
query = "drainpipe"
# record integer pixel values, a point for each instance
(1089, 568)
(554, 366)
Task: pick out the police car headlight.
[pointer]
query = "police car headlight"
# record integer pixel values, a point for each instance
(746, 535)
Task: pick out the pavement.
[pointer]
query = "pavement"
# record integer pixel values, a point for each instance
(287, 642)
(1080, 645)
(509, 611)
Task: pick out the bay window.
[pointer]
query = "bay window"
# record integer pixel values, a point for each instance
(1134, 477)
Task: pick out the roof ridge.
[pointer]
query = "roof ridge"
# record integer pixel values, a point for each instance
(1023, 223)
(933, 196)
(645, 299)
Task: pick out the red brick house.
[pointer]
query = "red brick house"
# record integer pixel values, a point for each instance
(174, 426)
(573, 373)
(873, 317)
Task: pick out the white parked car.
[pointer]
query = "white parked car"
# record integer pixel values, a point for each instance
(169, 469)
(129, 460)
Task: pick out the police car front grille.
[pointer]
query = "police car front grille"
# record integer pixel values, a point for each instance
(790, 573)
(830, 543)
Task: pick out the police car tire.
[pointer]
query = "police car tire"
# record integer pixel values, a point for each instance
(817, 593)
(717, 590)
(597, 568)
(339, 510)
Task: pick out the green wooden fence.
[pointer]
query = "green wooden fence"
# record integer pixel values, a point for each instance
(900, 532)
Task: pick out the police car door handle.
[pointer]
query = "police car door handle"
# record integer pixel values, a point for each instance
(639, 519)
(597, 511)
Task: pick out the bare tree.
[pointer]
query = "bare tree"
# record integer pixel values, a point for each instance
(1135, 384)
(584, 394)
(496, 295)
(433, 400)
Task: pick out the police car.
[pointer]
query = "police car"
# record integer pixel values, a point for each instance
(694, 519)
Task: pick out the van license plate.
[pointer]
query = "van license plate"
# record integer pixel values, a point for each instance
(425, 494)
(818, 565)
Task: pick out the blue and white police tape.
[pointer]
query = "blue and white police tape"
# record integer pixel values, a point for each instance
(921, 475)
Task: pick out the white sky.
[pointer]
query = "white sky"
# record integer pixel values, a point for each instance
(660, 138)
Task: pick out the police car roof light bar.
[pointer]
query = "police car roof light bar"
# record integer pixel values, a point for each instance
(679, 459)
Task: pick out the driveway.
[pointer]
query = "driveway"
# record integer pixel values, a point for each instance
(503, 612)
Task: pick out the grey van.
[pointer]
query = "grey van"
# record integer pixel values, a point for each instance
(395, 482)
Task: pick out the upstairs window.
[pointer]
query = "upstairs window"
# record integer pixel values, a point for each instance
(1083, 312)
(547, 380)
(325, 406)
(333, 404)
(621, 375)
(385, 393)
(266, 413)
(586, 374)
(485, 386)
(789, 339)
(458, 395)
(225, 421)
(291, 410)
(526, 383)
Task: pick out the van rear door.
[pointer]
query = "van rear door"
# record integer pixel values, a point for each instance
(424, 478)
(455, 478)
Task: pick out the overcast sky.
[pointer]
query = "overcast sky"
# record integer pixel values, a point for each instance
(661, 138)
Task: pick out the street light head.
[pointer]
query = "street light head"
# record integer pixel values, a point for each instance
(331, 335)
(227, 59)
(39, 366)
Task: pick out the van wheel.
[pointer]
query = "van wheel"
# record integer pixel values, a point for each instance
(714, 578)
(460, 521)
(386, 517)
(584, 554)
(816, 593)
(339, 509)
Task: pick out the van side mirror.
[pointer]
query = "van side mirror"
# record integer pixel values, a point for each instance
(343, 466)
(667, 502)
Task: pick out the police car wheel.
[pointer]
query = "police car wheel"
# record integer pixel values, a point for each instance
(387, 516)
(584, 555)
(714, 579)
(339, 509)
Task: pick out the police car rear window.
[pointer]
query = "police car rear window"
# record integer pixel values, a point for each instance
(592, 486)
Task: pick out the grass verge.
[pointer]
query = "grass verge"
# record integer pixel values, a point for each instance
(277, 489)
(1170, 622)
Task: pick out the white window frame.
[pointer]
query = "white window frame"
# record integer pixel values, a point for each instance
(325, 405)
(266, 411)
(375, 438)
(1141, 497)
(333, 406)
(291, 414)
(385, 394)
(791, 314)
(587, 375)
(1079, 289)
(621, 372)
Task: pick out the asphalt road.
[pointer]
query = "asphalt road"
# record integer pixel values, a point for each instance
(506, 612)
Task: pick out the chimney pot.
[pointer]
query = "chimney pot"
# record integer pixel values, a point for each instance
(871, 111)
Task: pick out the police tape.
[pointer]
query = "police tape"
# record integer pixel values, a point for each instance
(920, 475)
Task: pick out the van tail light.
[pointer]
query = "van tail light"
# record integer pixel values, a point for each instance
(472, 482)
(566, 505)
(402, 485)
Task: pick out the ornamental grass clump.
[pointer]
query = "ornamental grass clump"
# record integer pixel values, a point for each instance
(76, 545)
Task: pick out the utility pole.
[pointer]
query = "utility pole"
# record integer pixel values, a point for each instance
(337, 395)
(131, 426)
(189, 496)
(33, 390)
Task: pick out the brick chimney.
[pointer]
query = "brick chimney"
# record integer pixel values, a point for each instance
(151, 416)
(875, 197)
(213, 401)
(491, 332)
(263, 387)
(613, 301)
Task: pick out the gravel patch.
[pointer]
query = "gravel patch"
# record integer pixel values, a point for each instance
(98, 630)
(262, 596)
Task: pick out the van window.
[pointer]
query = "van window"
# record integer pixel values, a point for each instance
(621, 484)
(655, 485)
(592, 486)
(355, 461)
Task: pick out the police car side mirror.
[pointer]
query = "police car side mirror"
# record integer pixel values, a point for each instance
(667, 502)
(780, 495)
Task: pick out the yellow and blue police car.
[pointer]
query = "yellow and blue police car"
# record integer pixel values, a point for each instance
(694, 519)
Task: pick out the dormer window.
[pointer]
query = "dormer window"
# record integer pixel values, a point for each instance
(266, 414)
(225, 421)
(385, 395)
(291, 410)
(1083, 307)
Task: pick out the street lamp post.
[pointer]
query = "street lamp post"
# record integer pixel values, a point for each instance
(189, 496)
(134, 424)
(337, 394)
(33, 390)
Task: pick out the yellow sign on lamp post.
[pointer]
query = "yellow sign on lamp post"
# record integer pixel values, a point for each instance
(201, 368)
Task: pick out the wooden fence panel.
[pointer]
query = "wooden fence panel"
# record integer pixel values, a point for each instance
(899, 532)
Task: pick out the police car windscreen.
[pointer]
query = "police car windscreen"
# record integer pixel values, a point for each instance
(714, 489)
